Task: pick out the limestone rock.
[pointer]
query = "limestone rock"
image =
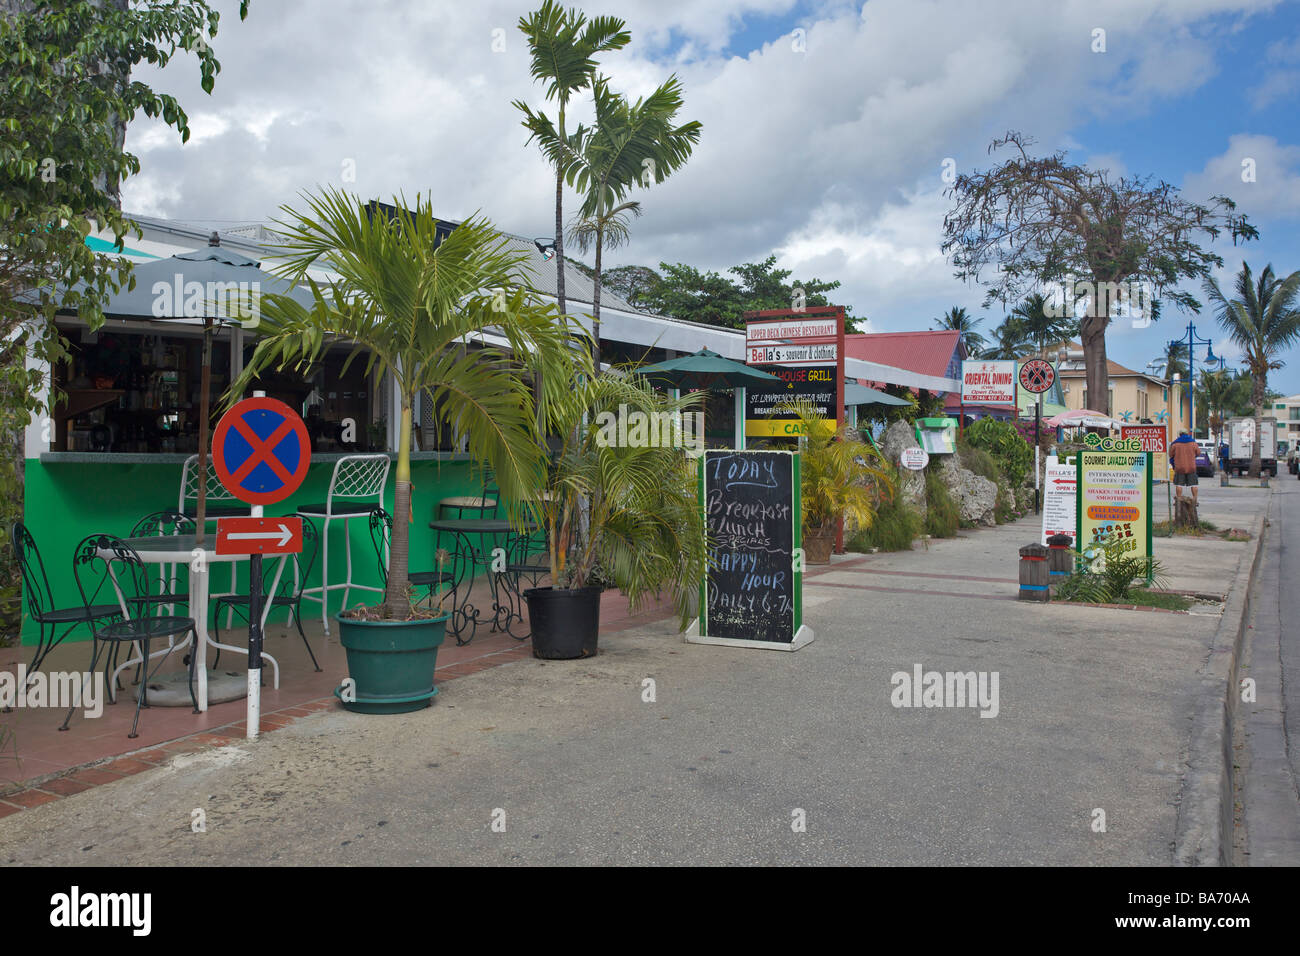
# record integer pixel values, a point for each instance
(911, 484)
(976, 496)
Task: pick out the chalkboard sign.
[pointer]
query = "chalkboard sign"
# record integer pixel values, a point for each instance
(753, 592)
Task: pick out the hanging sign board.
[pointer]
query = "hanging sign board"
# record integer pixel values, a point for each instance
(1059, 492)
(1037, 376)
(752, 594)
(914, 458)
(1113, 495)
(1155, 439)
(759, 354)
(988, 383)
(817, 386)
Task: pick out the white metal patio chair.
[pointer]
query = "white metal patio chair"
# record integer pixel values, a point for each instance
(356, 488)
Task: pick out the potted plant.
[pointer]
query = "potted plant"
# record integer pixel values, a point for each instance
(842, 476)
(408, 297)
(619, 507)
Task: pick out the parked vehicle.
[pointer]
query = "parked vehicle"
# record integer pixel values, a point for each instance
(1204, 461)
(1241, 445)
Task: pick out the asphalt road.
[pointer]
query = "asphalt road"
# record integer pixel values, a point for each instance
(737, 749)
(1271, 725)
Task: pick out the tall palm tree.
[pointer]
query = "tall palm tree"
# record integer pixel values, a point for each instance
(628, 144)
(563, 45)
(956, 319)
(1262, 320)
(407, 302)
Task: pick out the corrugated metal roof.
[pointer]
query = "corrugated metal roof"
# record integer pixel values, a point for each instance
(929, 352)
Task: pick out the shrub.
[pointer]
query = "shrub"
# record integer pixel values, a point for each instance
(1005, 509)
(942, 516)
(979, 461)
(1107, 575)
(1003, 442)
(895, 527)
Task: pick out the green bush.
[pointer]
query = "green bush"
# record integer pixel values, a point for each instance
(979, 461)
(1108, 575)
(942, 516)
(894, 529)
(1005, 509)
(1001, 439)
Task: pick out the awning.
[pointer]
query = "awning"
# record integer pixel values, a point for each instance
(855, 394)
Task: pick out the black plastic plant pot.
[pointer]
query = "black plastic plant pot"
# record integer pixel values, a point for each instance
(565, 624)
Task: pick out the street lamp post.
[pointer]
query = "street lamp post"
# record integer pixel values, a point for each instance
(1193, 340)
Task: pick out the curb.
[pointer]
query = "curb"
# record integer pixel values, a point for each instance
(1203, 833)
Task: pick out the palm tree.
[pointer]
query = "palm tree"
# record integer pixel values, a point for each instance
(1039, 326)
(628, 144)
(957, 320)
(563, 45)
(1009, 340)
(408, 302)
(1262, 321)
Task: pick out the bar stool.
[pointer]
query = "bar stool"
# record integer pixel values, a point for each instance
(356, 487)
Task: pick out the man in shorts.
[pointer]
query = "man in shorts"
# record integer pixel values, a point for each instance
(1183, 452)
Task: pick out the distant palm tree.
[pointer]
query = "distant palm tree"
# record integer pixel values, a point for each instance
(1009, 340)
(957, 320)
(1040, 327)
(1262, 320)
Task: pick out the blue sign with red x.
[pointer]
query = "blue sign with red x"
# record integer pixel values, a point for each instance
(261, 451)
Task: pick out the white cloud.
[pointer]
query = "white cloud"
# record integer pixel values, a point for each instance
(1275, 167)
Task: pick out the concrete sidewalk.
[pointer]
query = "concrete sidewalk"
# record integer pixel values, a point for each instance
(737, 747)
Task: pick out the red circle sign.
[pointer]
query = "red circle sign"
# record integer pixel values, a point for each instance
(261, 451)
(1037, 376)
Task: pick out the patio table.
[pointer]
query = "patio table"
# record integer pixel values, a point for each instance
(466, 557)
(179, 549)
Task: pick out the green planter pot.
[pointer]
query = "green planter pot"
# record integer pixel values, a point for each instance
(391, 663)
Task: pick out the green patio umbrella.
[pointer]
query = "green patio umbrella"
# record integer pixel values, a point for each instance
(705, 370)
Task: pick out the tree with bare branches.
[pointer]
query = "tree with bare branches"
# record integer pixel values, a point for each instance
(1108, 243)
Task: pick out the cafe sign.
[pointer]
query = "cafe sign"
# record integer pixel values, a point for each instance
(1113, 498)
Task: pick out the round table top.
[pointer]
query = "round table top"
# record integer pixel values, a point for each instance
(164, 547)
(481, 525)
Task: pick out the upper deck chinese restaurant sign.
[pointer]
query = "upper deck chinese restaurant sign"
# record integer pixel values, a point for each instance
(1114, 496)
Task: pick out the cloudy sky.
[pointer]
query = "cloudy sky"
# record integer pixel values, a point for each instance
(826, 125)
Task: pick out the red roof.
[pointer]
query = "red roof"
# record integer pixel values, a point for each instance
(927, 353)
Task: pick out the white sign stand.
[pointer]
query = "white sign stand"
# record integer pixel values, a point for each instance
(802, 638)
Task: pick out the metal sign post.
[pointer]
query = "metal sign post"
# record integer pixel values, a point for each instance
(261, 452)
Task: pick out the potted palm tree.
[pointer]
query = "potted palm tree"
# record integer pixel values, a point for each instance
(407, 297)
(619, 508)
(842, 476)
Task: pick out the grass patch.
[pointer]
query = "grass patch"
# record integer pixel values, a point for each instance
(979, 461)
(1170, 602)
(942, 516)
(894, 528)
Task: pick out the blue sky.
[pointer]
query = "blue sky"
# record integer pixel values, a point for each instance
(823, 147)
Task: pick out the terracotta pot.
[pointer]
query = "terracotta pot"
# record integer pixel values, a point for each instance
(817, 544)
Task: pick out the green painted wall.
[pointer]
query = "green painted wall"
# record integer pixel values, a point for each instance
(65, 502)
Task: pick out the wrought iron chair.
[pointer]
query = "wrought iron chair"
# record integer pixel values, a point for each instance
(356, 487)
(381, 529)
(106, 567)
(288, 593)
(41, 608)
(166, 522)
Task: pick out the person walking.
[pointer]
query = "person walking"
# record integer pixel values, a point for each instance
(1183, 452)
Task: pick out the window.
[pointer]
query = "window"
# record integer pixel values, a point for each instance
(1295, 413)
(1280, 406)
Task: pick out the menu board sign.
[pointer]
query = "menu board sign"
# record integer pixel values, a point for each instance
(1059, 491)
(1114, 499)
(752, 594)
